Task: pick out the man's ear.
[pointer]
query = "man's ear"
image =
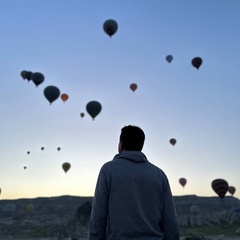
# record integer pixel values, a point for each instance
(120, 147)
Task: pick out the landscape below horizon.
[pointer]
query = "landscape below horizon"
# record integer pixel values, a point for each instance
(67, 216)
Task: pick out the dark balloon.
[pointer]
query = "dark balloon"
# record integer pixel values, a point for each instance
(42, 148)
(23, 74)
(25, 167)
(173, 141)
(66, 166)
(110, 27)
(133, 86)
(58, 148)
(28, 75)
(37, 78)
(169, 58)
(93, 108)
(232, 189)
(51, 93)
(28, 152)
(220, 186)
(183, 181)
(197, 62)
(82, 114)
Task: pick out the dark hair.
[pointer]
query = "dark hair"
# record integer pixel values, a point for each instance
(132, 138)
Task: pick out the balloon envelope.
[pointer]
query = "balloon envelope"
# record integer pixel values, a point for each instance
(23, 74)
(30, 208)
(110, 27)
(220, 186)
(169, 58)
(51, 93)
(93, 108)
(37, 78)
(133, 86)
(197, 62)
(66, 166)
(64, 97)
(9, 208)
(82, 114)
(28, 75)
(183, 181)
(232, 189)
(173, 141)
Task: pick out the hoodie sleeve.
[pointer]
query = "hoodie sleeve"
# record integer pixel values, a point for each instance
(170, 221)
(98, 220)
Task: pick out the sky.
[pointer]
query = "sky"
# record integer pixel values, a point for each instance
(65, 41)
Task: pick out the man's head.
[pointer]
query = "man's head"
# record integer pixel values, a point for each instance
(131, 139)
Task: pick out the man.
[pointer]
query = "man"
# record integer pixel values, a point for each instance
(132, 199)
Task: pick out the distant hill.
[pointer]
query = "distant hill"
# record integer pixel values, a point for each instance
(65, 216)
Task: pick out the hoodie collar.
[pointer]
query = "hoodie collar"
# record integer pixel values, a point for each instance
(134, 156)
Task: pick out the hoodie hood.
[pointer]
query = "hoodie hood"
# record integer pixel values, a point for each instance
(134, 156)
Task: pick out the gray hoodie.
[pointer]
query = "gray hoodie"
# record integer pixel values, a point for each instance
(132, 200)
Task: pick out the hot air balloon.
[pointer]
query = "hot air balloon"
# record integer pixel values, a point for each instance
(37, 78)
(220, 186)
(51, 93)
(169, 58)
(28, 75)
(23, 74)
(173, 141)
(93, 108)
(133, 86)
(82, 114)
(64, 97)
(66, 166)
(28, 152)
(58, 148)
(42, 148)
(110, 27)
(183, 181)
(24, 167)
(30, 208)
(9, 209)
(197, 62)
(232, 189)
(194, 209)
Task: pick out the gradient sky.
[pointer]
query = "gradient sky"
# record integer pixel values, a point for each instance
(65, 41)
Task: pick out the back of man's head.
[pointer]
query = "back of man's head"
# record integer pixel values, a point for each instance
(132, 138)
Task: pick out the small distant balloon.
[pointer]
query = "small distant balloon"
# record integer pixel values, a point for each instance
(93, 108)
(28, 152)
(183, 181)
(66, 166)
(51, 93)
(37, 78)
(82, 114)
(197, 62)
(64, 97)
(28, 75)
(169, 58)
(42, 148)
(110, 27)
(232, 189)
(23, 74)
(58, 148)
(30, 208)
(133, 86)
(173, 141)
(220, 186)
(24, 167)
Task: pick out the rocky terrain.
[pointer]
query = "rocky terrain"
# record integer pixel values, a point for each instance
(68, 216)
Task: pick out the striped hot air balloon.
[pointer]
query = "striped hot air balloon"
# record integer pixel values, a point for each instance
(220, 186)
